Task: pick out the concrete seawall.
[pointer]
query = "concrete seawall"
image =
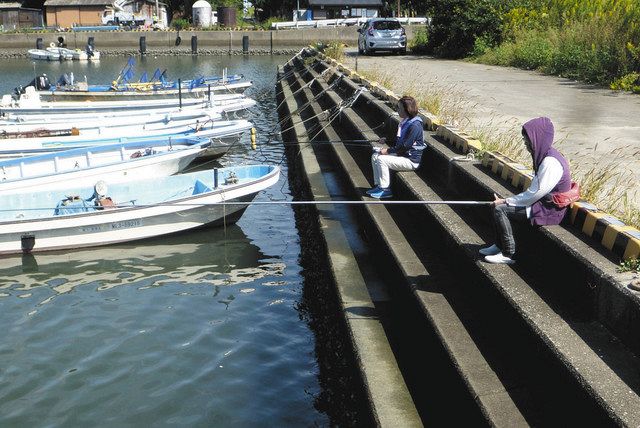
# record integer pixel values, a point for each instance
(229, 40)
(548, 341)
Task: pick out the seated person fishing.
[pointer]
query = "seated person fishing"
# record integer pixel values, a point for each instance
(543, 203)
(405, 155)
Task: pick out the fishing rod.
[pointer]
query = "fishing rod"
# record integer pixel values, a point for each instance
(132, 204)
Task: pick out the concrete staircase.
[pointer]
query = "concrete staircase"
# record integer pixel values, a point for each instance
(529, 344)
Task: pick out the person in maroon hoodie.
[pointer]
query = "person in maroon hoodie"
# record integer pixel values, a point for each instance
(552, 175)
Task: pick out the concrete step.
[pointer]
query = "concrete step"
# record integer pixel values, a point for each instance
(564, 338)
(493, 398)
(388, 396)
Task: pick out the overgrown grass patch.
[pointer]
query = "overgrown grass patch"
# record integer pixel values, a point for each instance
(596, 41)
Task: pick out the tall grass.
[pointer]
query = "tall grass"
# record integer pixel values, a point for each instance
(383, 78)
(592, 40)
(333, 48)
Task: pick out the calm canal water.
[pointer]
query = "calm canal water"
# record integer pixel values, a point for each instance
(200, 329)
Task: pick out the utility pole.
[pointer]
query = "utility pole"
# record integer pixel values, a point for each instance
(398, 13)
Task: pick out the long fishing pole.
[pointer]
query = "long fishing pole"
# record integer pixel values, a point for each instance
(247, 203)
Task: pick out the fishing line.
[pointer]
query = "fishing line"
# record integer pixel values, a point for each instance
(223, 204)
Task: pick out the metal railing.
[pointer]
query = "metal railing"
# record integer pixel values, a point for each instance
(344, 22)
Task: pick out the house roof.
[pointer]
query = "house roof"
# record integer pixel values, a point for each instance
(161, 3)
(352, 3)
(78, 2)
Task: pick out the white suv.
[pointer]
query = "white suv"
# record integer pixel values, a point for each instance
(382, 34)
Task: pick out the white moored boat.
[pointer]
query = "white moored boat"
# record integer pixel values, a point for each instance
(124, 90)
(133, 94)
(68, 122)
(30, 103)
(42, 54)
(85, 166)
(108, 129)
(74, 54)
(233, 104)
(63, 53)
(222, 133)
(50, 220)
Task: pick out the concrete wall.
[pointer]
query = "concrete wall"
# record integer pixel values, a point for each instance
(206, 39)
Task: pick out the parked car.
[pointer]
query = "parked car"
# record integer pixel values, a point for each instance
(382, 34)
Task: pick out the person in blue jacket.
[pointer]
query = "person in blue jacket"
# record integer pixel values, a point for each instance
(405, 155)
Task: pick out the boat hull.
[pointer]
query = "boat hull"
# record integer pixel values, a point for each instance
(199, 92)
(133, 222)
(86, 167)
(232, 105)
(223, 135)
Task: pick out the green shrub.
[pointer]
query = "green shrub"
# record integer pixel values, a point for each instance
(266, 25)
(456, 24)
(626, 82)
(481, 46)
(631, 265)
(418, 44)
(503, 55)
(532, 50)
(180, 24)
(595, 41)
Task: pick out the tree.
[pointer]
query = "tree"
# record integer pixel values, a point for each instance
(456, 24)
(266, 9)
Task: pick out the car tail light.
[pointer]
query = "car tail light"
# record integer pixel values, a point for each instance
(370, 31)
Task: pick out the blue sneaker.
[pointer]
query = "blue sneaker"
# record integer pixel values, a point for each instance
(382, 194)
(373, 190)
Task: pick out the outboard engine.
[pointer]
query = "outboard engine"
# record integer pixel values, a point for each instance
(89, 50)
(18, 90)
(40, 83)
(65, 80)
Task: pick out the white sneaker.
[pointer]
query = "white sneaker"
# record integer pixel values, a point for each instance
(490, 251)
(499, 259)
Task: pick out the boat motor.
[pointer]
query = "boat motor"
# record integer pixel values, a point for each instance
(17, 91)
(40, 83)
(67, 79)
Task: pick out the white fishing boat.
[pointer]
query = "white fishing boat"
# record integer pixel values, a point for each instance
(68, 122)
(106, 129)
(105, 214)
(122, 88)
(74, 54)
(236, 105)
(85, 166)
(42, 54)
(64, 54)
(223, 134)
(80, 94)
(30, 103)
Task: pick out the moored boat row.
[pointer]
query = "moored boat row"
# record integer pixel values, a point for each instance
(86, 173)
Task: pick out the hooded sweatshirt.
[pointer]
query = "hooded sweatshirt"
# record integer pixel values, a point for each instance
(551, 175)
(410, 142)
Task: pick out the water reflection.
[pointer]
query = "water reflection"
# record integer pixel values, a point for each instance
(215, 257)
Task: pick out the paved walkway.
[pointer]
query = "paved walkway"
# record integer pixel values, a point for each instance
(595, 126)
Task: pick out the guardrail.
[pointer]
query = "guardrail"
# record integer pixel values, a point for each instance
(340, 23)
